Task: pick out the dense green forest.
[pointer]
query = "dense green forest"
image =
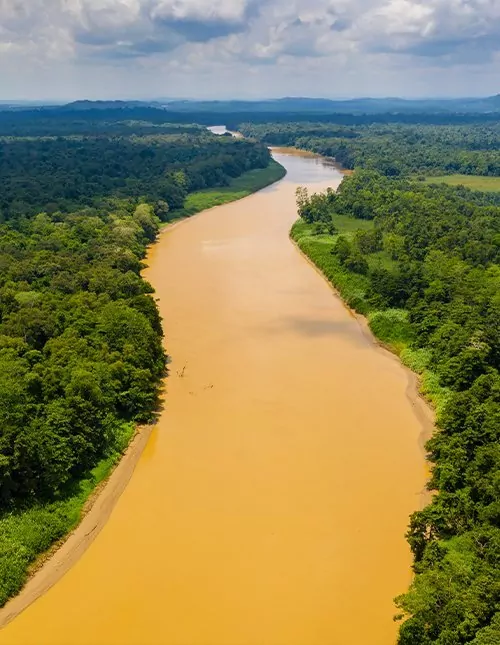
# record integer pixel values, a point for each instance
(112, 120)
(124, 119)
(80, 343)
(62, 173)
(393, 149)
(80, 335)
(423, 262)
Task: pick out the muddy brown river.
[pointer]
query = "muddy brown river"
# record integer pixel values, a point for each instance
(270, 504)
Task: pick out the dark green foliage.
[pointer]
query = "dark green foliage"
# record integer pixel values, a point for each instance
(313, 208)
(80, 344)
(349, 256)
(65, 173)
(124, 118)
(369, 241)
(342, 249)
(439, 295)
(393, 149)
(356, 263)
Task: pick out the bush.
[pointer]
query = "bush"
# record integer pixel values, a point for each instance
(391, 326)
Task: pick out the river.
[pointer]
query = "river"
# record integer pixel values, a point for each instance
(270, 504)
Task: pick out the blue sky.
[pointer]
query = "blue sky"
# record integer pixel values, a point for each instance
(67, 49)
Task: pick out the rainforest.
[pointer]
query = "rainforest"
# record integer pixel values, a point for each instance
(400, 212)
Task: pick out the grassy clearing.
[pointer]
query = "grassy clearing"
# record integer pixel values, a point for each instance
(25, 535)
(390, 326)
(348, 225)
(475, 182)
(250, 182)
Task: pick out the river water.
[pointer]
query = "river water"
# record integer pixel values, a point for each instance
(270, 504)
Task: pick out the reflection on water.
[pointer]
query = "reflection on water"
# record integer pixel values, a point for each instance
(271, 505)
(307, 170)
(302, 167)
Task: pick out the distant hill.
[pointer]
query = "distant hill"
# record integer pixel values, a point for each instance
(79, 106)
(292, 105)
(93, 116)
(350, 106)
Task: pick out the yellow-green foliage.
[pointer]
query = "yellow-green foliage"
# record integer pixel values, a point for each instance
(392, 327)
(143, 211)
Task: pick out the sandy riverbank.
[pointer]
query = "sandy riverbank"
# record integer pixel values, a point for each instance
(52, 566)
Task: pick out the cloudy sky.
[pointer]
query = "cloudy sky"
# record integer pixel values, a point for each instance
(67, 49)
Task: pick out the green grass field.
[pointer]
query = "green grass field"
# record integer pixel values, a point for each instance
(250, 182)
(475, 182)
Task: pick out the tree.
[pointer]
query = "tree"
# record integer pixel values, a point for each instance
(342, 249)
(161, 210)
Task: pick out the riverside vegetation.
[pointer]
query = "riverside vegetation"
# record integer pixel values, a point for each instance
(63, 173)
(423, 264)
(80, 334)
(394, 149)
(242, 186)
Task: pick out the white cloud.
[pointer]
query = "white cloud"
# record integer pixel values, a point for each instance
(431, 27)
(200, 10)
(264, 40)
(101, 14)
